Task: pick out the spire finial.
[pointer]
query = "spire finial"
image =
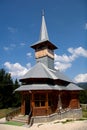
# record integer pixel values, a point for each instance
(43, 32)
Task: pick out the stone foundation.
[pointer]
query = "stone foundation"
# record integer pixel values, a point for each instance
(70, 113)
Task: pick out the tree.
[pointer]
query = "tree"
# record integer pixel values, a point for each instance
(16, 96)
(83, 94)
(83, 97)
(7, 87)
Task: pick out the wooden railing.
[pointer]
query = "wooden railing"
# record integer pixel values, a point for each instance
(13, 113)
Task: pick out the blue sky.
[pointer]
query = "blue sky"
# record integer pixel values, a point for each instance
(66, 20)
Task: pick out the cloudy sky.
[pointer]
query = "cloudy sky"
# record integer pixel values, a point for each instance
(66, 20)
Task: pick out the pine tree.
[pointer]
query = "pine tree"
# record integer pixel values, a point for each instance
(7, 87)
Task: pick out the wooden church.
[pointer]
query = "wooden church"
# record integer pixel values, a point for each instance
(47, 94)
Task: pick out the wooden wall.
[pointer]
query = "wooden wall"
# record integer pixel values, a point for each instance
(68, 99)
(74, 102)
(44, 52)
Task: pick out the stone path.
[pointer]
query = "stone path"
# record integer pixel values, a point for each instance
(74, 125)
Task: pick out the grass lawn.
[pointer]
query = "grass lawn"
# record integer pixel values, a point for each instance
(14, 123)
(84, 112)
(3, 113)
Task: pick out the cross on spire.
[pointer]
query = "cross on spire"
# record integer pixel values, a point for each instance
(43, 12)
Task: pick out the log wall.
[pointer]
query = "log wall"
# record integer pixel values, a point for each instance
(43, 53)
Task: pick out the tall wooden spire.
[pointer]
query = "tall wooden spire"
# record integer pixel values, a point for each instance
(43, 31)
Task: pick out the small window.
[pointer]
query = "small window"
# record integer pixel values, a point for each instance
(37, 104)
(42, 103)
(39, 100)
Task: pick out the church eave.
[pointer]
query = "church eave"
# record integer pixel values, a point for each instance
(46, 42)
(31, 87)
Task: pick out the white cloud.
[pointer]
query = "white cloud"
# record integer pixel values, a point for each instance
(78, 52)
(6, 48)
(64, 62)
(63, 58)
(16, 69)
(12, 29)
(28, 65)
(81, 78)
(62, 66)
(10, 47)
(86, 26)
(29, 54)
(22, 44)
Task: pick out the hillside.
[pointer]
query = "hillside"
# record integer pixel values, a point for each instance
(83, 85)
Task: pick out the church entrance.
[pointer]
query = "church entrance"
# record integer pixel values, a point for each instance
(27, 104)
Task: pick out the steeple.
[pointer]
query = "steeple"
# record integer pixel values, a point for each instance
(44, 49)
(43, 31)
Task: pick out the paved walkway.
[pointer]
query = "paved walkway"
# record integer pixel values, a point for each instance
(74, 125)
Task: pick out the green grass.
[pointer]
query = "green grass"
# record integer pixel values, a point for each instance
(14, 123)
(81, 119)
(84, 112)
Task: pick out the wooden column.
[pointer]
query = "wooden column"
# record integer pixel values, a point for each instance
(23, 105)
(47, 103)
(32, 104)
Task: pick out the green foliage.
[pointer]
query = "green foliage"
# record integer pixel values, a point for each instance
(7, 87)
(84, 112)
(83, 94)
(66, 121)
(16, 96)
(83, 97)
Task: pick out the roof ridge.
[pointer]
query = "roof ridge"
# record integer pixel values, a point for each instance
(47, 69)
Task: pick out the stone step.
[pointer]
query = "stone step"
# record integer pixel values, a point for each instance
(23, 119)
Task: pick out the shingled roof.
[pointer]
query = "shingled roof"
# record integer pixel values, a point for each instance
(39, 87)
(31, 87)
(41, 71)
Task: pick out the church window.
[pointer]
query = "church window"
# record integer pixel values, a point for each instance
(39, 100)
